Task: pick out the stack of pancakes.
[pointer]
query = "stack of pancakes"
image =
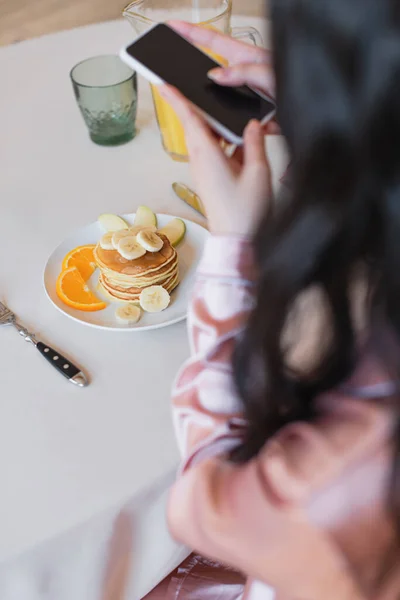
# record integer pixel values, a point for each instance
(124, 279)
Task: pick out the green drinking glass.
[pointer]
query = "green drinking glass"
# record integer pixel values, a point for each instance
(106, 92)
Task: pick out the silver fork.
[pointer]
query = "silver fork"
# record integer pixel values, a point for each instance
(61, 364)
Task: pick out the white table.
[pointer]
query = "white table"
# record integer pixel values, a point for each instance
(65, 453)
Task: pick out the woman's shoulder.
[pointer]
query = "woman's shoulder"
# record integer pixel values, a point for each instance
(349, 432)
(354, 426)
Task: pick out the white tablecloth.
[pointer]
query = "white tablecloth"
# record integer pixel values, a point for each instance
(67, 454)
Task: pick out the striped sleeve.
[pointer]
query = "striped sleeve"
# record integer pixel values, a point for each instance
(207, 411)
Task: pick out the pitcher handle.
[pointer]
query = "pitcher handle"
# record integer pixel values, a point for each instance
(248, 33)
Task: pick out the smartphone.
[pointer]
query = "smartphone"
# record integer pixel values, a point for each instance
(163, 56)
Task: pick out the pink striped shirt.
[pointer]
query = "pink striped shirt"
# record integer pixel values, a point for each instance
(308, 516)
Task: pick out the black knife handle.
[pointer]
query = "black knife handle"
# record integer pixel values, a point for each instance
(62, 365)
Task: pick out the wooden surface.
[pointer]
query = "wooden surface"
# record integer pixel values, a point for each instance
(24, 19)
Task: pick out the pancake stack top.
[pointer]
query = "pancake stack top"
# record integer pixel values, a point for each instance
(124, 279)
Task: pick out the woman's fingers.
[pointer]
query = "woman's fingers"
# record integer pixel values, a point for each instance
(218, 43)
(202, 143)
(272, 128)
(191, 121)
(257, 171)
(205, 150)
(254, 145)
(255, 75)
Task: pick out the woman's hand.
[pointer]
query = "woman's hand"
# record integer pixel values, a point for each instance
(248, 65)
(234, 51)
(234, 194)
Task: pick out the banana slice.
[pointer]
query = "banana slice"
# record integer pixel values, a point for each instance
(130, 249)
(106, 241)
(154, 299)
(112, 222)
(128, 314)
(118, 235)
(149, 240)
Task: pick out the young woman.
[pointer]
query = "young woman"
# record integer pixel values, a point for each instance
(287, 412)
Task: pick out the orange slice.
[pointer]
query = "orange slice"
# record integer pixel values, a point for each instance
(73, 291)
(82, 258)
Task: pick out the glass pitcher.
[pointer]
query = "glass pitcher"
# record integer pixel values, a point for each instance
(142, 14)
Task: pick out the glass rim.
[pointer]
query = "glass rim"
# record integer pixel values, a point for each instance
(126, 13)
(108, 85)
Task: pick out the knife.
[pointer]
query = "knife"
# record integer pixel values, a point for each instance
(189, 196)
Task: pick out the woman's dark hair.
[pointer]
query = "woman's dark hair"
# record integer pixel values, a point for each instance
(337, 65)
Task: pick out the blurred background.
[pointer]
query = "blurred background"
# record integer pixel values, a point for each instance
(24, 19)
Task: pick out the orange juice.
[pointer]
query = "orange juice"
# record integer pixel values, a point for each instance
(215, 14)
(171, 129)
(172, 133)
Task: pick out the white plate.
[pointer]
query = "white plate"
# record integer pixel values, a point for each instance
(189, 253)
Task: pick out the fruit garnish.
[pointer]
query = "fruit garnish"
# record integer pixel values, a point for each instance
(111, 222)
(154, 299)
(138, 229)
(149, 240)
(106, 241)
(72, 290)
(118, 235)
(130, 249)
(128, 313)
(145, 217)
(82, 258)
(175, 231)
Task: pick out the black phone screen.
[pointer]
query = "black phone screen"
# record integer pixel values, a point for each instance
(179, 63)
